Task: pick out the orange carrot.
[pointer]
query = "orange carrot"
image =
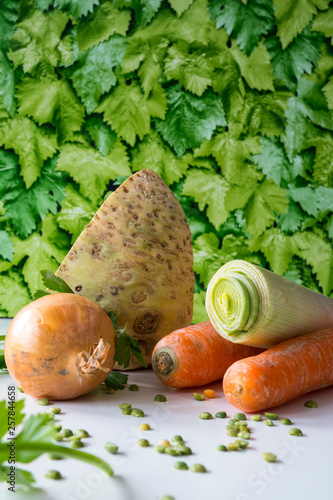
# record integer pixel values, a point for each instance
(283, 372)
(196, 355)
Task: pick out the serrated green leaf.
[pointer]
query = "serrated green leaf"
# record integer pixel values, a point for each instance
(76, 212)
(277, 247)
(293, 15)
(129, 111)
(292, 219)
(46, 248)
(323, 22)
(40, 293)
(306, 197)
(24, 208)
(199, 309)
(102, 135)
(328, 91)
(53, 282)
(6, 246)
(32, 144)
(196, 219)
(323, 166)
(192, 67)
(14, 293)
(148, 56)
(194, 25)
(36, 39)
(77, 8)
(298, 58)
(315, 104)
(44, 4)
(114, 319)
(274, 162)
(104, 22)
(259, 211)
(293, 273)
(208, 257)
(116, 381)
(329, 228)
(243, 187)
(51, 102)
(144, 10)
(7, 84)
(247, 23)
(208, 188)
(298, 128)
(230, 153)
(190, 119)
(256, 68)
(8, 17)
(179, 6)
(91, 170)
(154, 154)
(318, 253)
(125, 346)
(93, 75)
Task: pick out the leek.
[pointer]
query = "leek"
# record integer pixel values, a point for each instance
(250, 305)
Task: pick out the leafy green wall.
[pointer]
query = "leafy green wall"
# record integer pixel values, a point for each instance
(229, 101)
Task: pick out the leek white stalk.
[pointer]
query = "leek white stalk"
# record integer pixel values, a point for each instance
(250, 305)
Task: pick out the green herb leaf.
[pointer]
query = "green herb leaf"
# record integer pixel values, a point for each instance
(54, 283)
(23, 478)
(19, 416)
(116, 381)
(36, 438)
(114, 319)
(125, 346)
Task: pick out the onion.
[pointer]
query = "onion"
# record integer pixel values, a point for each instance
(60, 346)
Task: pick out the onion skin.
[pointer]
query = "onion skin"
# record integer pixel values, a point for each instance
(44, 341)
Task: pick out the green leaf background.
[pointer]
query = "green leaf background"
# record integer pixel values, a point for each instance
(229, 101)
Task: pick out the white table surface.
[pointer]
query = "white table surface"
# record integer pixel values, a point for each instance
(303, 470)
